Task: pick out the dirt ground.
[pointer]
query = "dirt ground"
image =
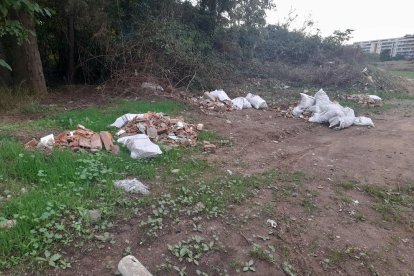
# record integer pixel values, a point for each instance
(344, 236)
(322, 228)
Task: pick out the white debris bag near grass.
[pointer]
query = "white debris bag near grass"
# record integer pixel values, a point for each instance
(325, 111)
(140, 146)
(121, 121)
(46, 142)
(220, 94)
(256, 101)
(241, 103)
(132, 186)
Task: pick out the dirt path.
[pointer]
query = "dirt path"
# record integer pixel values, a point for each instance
(262, 140)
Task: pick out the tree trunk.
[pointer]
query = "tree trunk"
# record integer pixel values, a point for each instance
(27, 65)
(71, 55)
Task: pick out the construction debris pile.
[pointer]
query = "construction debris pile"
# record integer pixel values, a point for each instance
(322, 110)
(81, 138)
(368, 100)
(218, 100)
(158, 128)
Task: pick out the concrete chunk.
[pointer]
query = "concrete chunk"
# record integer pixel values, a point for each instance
(130, 266)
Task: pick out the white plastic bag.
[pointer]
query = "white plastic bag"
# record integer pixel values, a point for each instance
(140, 146)
(374, 98)
(256, 101)
(220, 94)
(241, 103)
(121, 121)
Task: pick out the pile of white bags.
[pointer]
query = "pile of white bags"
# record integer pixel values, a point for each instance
(239, 103)
(325, 111)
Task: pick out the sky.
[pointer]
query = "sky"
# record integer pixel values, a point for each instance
(370, 19)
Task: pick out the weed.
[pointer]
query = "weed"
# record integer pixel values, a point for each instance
(309, 205)
(249, 266)
(348, 185)
(191, 250)
(258, 252)
(288, 269)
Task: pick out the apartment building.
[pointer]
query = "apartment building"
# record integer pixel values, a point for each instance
(402, 46)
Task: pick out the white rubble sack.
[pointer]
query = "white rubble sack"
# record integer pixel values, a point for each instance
(132, 186)
(241, 103)
(130, 266)
(363, 121)
(306, 101)
(140, 146)
(151, 86)
(47, 142)
(374, 98)
(121, 121)
(256, 101)
(325, 111)
(220, 94)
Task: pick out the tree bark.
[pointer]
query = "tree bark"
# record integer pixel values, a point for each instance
(71, 55)
(27, 65)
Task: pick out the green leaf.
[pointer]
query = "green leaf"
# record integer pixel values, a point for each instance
(5, 65)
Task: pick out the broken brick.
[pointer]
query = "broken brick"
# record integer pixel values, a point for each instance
(106, 138)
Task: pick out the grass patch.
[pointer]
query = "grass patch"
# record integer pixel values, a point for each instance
(348, 185)
(390, 203)
(404, 74)
(95, 118)
(264, 254)
(14, 97)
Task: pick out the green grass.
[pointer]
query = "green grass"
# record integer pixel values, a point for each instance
(95, 118)
(404, 74)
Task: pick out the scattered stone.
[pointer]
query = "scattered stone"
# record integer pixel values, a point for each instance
(94, 215)
(130, 266)
(106, 138)
(272, 223)
(152, 86)
(175, 171)
(132, 186)
(200, 127)
(8, 224)
(209, 147)
(31, 144)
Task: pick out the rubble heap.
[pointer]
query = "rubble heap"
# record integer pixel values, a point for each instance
(369, 100)
(162, 128)
(81, 138)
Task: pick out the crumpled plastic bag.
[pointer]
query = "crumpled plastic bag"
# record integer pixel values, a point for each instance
(140, 146)
(121, 121)
(241, 103)
(132, 186)
(306, 101)
(46, 142)
(256, 101)
(220, 94)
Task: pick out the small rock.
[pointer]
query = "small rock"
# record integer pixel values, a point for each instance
(94, 215)
(228, 121)
(175, 171)
(200, 127)
(130, 266)
(7, 224)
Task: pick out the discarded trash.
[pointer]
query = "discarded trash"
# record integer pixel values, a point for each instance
(140, 146)
(220, 94)
(241, 103)
(209, 147)
(159, 128)
(132, 186)
(363, 121)
(130, 266)
(369, 100)
(121, 121)
(218, 100)
(256, 101)
(46, 142)
(272, 223)
(152, 86)
(325, 111)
